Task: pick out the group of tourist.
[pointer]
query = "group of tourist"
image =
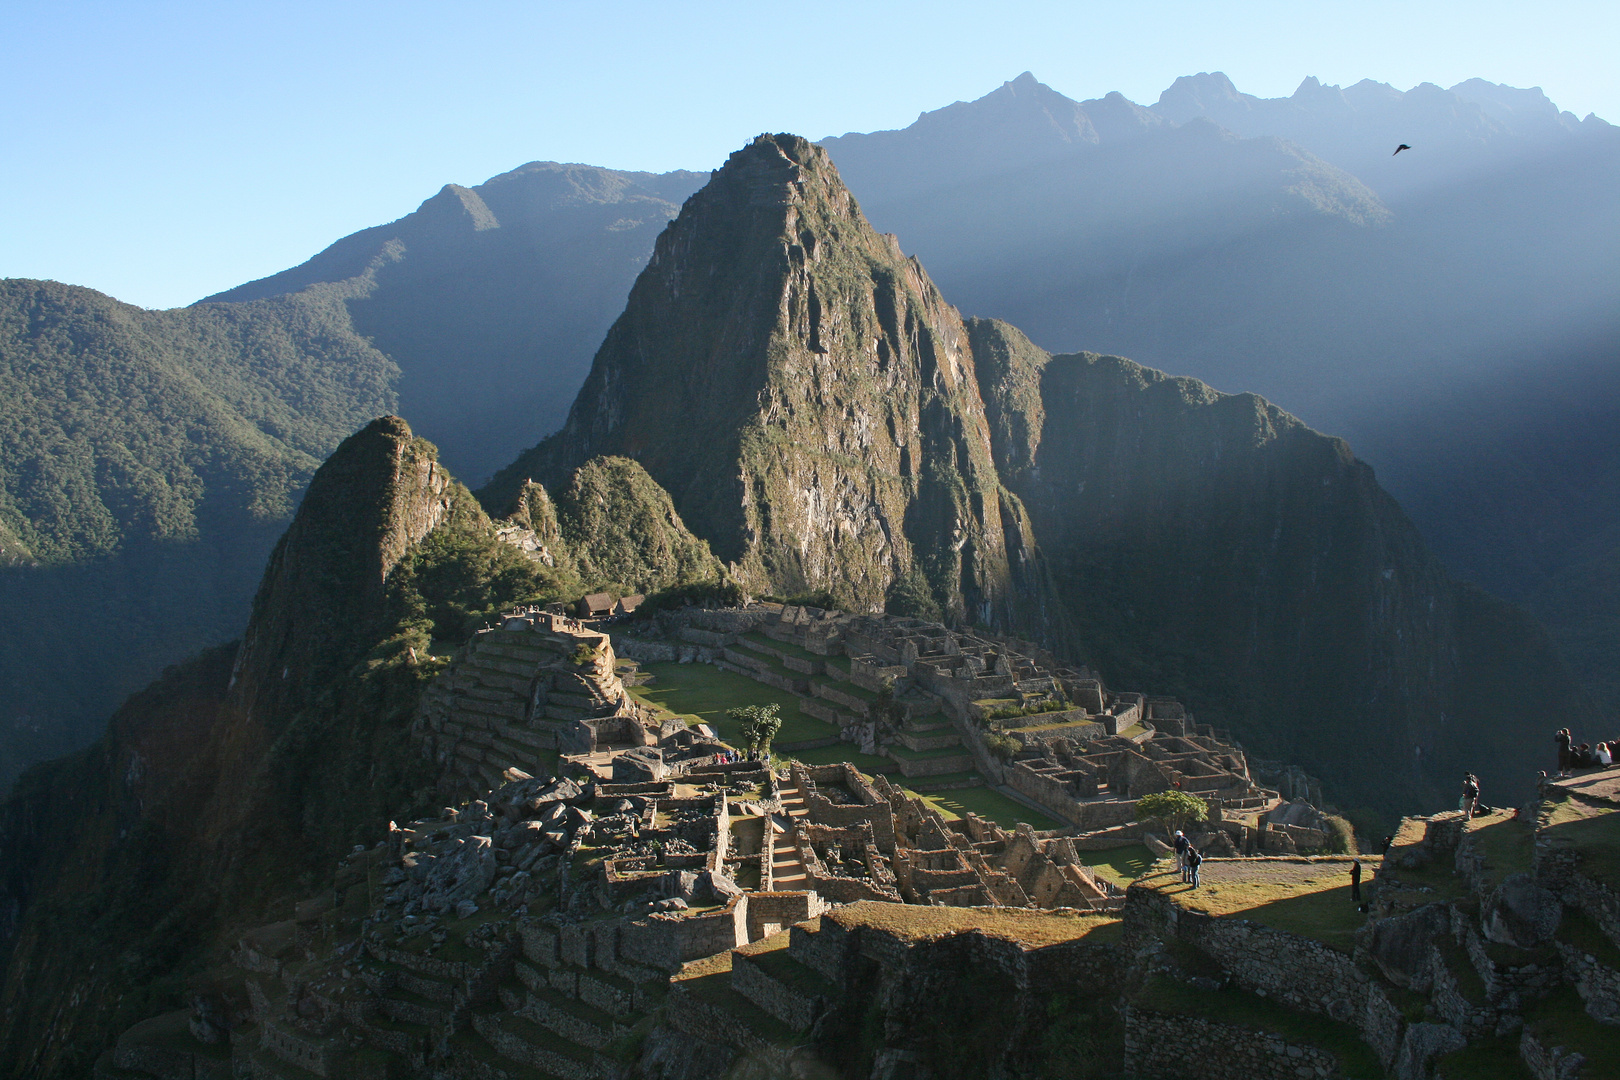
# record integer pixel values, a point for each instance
(726, 757)
(1584, 756)
(1188, 859)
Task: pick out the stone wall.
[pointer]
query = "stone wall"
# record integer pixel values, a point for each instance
(783, 909)
(1177, 1047)
(666, 941)
(1549, 1062)
(795, 1008)
(872, 807)
(1293, 971)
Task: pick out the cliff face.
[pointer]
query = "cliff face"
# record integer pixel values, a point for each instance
(219, 790)
(1214, 547)
(804, 394)
(379, 493)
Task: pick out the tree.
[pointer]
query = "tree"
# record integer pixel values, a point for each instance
(760, 723)
(1172, 809)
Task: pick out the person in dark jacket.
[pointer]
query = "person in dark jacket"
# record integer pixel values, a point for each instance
(1194, 861)
(1470, 795)
(1182, 845)
(1564, 738)
(1355, 881)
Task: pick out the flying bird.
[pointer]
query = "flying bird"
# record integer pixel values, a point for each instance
(1399, 148)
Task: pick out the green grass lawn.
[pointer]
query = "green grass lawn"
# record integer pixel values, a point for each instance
(1505, 843)
(1561, 1020)
(1231, 1006)
(704, 692)
(1493, 1059)
(1120, 865)
(986, 802)
(1311, 900)
(1594, 833)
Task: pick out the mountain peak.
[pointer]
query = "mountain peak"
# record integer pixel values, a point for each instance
(804, 394)
(380, 491)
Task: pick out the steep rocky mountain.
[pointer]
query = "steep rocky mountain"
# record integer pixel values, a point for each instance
(218, 790)
(855, 432)
(806, 397)
(1216, 547)
(492, 298)
(1387, 306)
(786, 389)
(148, 459)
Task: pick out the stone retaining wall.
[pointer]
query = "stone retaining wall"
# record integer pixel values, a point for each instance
(795, 1009)
(1177, 1047)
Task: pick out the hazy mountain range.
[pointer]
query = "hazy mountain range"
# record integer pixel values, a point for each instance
(786, 387)
(1451, 311)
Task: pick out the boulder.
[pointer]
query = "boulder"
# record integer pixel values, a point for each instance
(460, 874)
(522, 835)
(1421, 1043)
(1299, 812)
(1401, 944)
(713, 888)
(681, 883)
(1521, 912)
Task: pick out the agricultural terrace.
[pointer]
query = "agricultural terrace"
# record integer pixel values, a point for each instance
(1308, 897)
(702, 693)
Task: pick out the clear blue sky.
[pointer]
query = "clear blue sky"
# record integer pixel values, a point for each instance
(163, 151)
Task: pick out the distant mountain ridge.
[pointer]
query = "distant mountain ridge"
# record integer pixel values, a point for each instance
(1479, 280)
(1253, 263)
(492, 298)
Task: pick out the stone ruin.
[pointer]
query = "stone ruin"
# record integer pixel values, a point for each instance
(539, 923)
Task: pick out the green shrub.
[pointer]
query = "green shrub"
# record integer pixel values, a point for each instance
(1172, 809)
(1341, 836)
(1003, 746)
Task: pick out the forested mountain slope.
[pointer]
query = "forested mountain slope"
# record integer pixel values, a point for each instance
(148, 459)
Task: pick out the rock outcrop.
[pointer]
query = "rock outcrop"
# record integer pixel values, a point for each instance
(805, 395)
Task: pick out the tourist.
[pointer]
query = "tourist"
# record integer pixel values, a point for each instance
(1583, 756)
(1194, 861)
(1470, 795)
(1564, 755)
(1384, 845)
(1603, 755)
(1355, 881)
(1182, 844)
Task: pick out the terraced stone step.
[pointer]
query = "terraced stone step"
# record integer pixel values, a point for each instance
(767, 975)
(566, 1017)
(473, 1058)
(930, 740)
(527, 1043)
(409, 1007)
(263, 1065)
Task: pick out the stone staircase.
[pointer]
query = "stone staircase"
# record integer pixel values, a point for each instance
(787, 868)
